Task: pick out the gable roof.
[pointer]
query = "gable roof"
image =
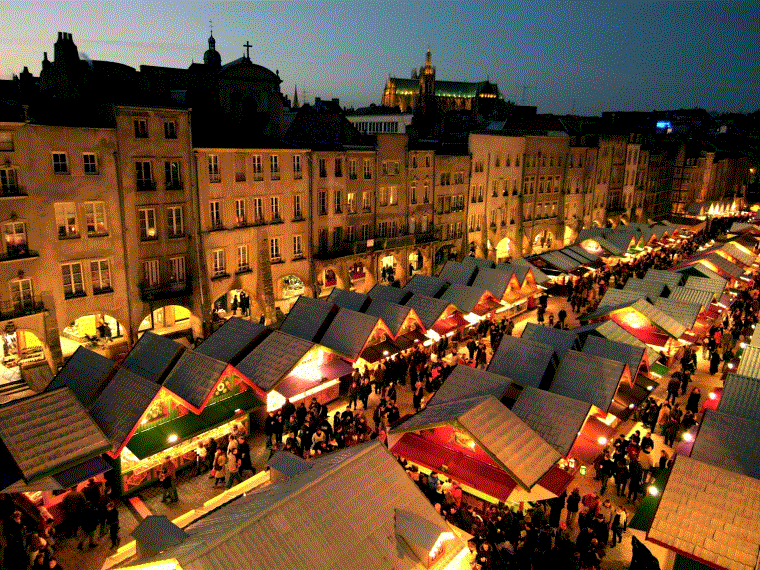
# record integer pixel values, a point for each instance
(345, 494)
(271, 361)
(688, 295)
(670, 278)
(741, 397)
(611, 330)
(455, 272)
(559, 260)
(617, 297)
(579, 253)
(498, 431)
(347, 299)
(684, 313)
(698, 269)
(392, 314)
(538, 275)
(509, 360)
(588, 377)
(308, 318)
(556, 418)
(467, 382)
(722, 264)
(610, 248)
(480, 262)
(653, 314)
(715, 285)
(691, 498)
(83, 373)
(156, 533)
(153, 356)
(387, 293)
(519, 271)
(48, 432)
(122, 403)
(494, 281)
(561, 340)
(729, 442)
(738, 252)
(230, 342)
(629, 354)
(194, 377)
(425, 285)
(649, 287)
(428, 309)
(349, 332)
(463, 297)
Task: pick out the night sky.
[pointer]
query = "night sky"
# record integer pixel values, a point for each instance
(585, 57)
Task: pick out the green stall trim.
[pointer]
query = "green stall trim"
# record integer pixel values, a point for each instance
(154, 440)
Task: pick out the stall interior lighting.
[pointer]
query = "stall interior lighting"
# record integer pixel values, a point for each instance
(443, 537)
(602, 440)
(688, 437)
(654, 491)
(713, 396)
(172, 438)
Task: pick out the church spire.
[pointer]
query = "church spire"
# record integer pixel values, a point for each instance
(295, 97)
(428, 58)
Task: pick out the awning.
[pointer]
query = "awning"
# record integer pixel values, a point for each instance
(379, 351)
(294, 385)
(82, 472)
(450, 323)
(409, 339)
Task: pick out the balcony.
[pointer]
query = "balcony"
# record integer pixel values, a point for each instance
(12, 191)
(166, 290)
(145, 185)
(15, 309)
(424, 237)
(15, 252)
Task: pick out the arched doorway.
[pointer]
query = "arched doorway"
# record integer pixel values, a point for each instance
(388, 269)
(97, 329)
(234, 303)
(169, 319)
(357, 275)
(291, 287)
(503, 250)
(327, 280)
(416, 262)
(19, 347)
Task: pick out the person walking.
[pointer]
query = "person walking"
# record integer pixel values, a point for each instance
(112, 519)
(573, 504)
(233, 469)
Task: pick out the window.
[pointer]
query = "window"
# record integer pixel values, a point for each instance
(274, 166)
(365, 202)
(322, 239)
(6, 141)
(215, 209)
(9, 181)
(148, 224)
(322, 167)
(141, 129)
(101, 276)
(218, 265)
(495, 189)
(337, 196)
(21, 293)
(367, 169)
(240, 218)
(382, 229)
(170, 130)
(322, 205)
(73, 286)
(95, 218)
(258, 170)
(427, 161)
(425, 193)
(337, 236)
(385, 168)
(175, 221)
(213, 168)
(275, 203)
(242, 259)
(352, 169)
(297, 212)
(365, 232)
(297, 173)
(151, 275)
(350, 233)
(66, 220)
(351, 202)
(258, 211)
(497, 161)
(239, 167)
(144, 175)
(88, 163)
(171, 175)
(382, 196)
(338, 168)
(459, 177)
(274, 249)
(177, 270)
(297, 246)
(414, 161)
(16, 244)
(517, 160)
(413, 193)
(507, 160)
(60, 163)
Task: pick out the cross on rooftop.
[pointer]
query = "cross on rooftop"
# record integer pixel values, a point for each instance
(247, 45)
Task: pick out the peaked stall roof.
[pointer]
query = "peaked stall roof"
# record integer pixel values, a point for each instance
(49, 432)
(463, 297)
(519, 271)
(579, 253)
(617, 297)
(684, 313)
(670, 278)
(83, 373)
(739, 252)
(589, 378)
(348, 299)
(688, 295)
(649, 287)
(308, 318)
(509, 360)
(392, 314)
(698, 269)
(194, 378)
(556, 418)
(741, 397)
(629, 354)
(345, 494)
(152, 356)
(428, 309)
(349, 332)
(613, 331)
(480, 262)
(729, 442)
(561, 340)
(499, 432)
(426, 285)
(272, 360)
(538, 275)
(749, 364)
(467, 382)
(653, 314)
(120, 406)
(716, 285)
(455, 272)
(387, 293)
(561, 261)
(604, 244)
(494, 281)
(709, 514)
(230, 342)
(721, 263)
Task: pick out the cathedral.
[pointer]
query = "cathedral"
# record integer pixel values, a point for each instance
(424, 91)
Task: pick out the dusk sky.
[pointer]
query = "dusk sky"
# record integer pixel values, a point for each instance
(587, 56)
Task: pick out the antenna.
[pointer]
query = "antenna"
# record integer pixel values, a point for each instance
(211, 27)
